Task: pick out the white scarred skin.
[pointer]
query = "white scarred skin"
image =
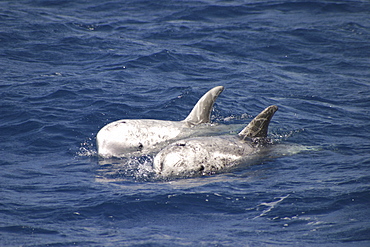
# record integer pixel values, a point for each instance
(201, 155)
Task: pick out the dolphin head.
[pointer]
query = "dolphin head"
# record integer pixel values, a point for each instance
(180, 159)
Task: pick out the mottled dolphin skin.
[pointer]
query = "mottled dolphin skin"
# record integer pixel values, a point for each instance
(129, 137)
(207, 155)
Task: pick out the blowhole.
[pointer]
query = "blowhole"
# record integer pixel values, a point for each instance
(140, 147)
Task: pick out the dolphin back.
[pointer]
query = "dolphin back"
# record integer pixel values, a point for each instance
(258, 127)
(201, 112)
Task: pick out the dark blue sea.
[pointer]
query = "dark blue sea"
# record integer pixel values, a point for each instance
(67, 68)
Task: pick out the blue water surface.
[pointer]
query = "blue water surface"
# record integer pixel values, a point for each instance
(68, 68)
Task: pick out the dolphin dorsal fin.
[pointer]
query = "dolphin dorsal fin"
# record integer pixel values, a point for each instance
(201, 112)
(259, 125)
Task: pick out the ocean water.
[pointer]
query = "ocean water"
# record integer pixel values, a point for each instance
(68, 68)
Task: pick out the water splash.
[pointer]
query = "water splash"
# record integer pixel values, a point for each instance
(87, 148)
(123, 169)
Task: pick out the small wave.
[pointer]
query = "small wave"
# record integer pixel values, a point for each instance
(26, 230)
(270, 205)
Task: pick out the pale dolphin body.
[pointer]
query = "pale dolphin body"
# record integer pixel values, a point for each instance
(207, 155)
(129, 137)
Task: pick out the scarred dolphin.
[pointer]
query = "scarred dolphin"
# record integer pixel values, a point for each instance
(207, 155)
(128, 137)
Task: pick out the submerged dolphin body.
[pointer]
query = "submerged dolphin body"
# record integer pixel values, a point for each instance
(142, 136)
(206, 155)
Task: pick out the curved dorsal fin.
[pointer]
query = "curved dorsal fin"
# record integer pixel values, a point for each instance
(201, 112)
(259, 125)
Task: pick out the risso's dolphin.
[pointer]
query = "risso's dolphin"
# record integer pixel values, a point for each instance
(207, 155)
(129, 137)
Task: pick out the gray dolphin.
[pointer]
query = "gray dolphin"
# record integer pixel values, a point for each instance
(207, 155)
(129, 137)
